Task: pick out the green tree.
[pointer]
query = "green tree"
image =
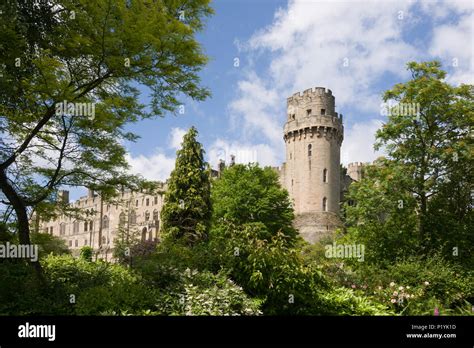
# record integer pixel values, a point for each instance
(250, 194)
(383, 217)
(187, 210)
(433, 149)
(91, 54)
(49, 244)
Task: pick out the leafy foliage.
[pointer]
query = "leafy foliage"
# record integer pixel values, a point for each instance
(275, 273)
(48, 244)
(434, 153)
(90, 54)
(246, 194)
(187, 210)
(86, 253)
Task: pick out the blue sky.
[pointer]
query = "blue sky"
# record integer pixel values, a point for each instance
(358, 49)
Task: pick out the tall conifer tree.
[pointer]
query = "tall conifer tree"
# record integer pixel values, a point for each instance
(187, 210)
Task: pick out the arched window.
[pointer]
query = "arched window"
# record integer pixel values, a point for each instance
(310, 150)
(91, 225)
(144, 231)
(122, 219)
(62, 229)
(147, 215)
(155, 215)
(133, 217)
(105, 222)
(325, 204)
(325, 175)
(85, 226)
(75, 227)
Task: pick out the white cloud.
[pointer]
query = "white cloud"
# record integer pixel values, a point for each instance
(455, 43)
(254, 110)
(155, 167)
(176, 137)
(344, 46)
(262, 154)
(350, 47)
(358, 143)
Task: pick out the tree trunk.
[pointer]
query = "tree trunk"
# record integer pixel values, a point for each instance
(22, 218)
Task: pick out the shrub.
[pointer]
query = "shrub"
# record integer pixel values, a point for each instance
(86, 253)
(274, 272)
(412, 286)
(99, 287)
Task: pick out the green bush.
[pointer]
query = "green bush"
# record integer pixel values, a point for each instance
(21, 293)
(99, 287)
(86, 253)
(412, 286)
(48, 244)
(276, 273)
(196, 292)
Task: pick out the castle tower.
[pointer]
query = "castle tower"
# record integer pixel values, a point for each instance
(313, 135)
(354, 170)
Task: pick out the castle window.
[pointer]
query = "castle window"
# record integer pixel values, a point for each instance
(323, 111)
(51, 230)
(75, 227)
(76, 243)
(85, 226)
(62, 229)
(91, 225)
(136, 203)
(325, 175)
(105, 222)
(293, 116)
(122, 219)
(310, 150)
(147, 202)
(325, 204)
(156, 200)
(144, 232)
(133, 217)
(308, 112)
(155, 215)
(147, 215)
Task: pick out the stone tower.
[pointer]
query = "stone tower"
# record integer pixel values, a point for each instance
(354, 170)
(313, 135)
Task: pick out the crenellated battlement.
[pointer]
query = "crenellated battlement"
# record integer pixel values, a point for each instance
(311, 92)
(355, 164)
(316, 101)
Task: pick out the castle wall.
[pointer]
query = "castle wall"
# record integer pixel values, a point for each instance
(96, 214)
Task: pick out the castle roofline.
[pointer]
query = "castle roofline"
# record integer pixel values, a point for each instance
(356, 164)
(316, 91)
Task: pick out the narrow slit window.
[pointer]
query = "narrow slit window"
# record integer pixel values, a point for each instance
(310, 150)
(325, 204)
(325, 175)
(323, 111)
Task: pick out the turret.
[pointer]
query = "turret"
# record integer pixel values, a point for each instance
(313, 136)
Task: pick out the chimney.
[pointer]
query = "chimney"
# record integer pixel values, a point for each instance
(63, 197)
(221, 166)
